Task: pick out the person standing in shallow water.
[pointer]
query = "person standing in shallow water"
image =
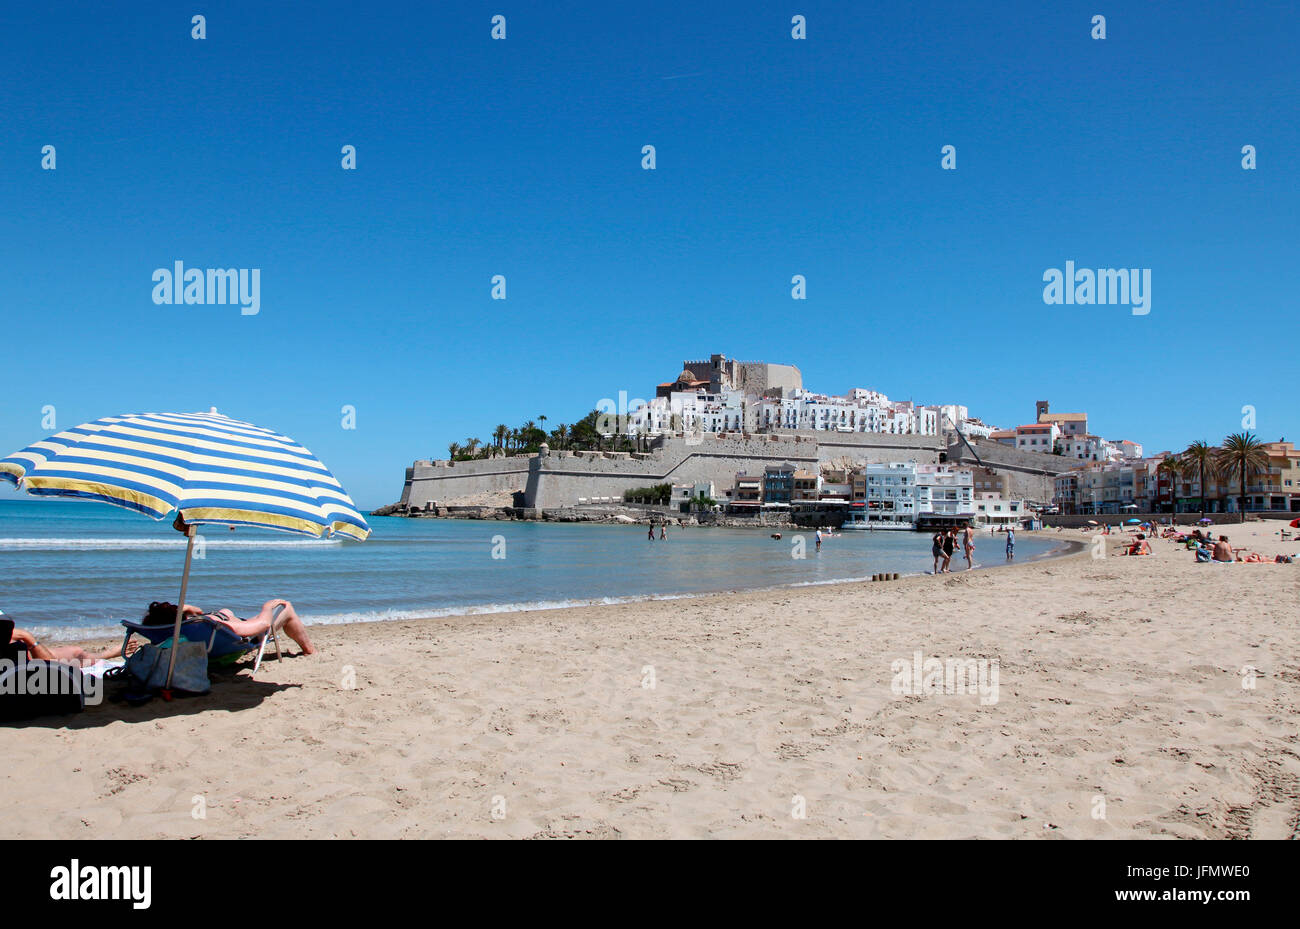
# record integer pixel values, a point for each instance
(936, 549)
(968, 546)
(663, 531)
(949, 546)
(1011, 544)
(652, 531)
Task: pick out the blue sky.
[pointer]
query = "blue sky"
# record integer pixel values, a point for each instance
(523, 157)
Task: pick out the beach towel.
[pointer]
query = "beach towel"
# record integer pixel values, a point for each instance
(102, 667)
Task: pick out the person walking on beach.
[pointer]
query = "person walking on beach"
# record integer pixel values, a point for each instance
(936, 549)
(949, 546)
(968, 546)
(1011, 543)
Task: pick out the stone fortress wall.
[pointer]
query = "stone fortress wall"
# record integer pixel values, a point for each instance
(561, 478)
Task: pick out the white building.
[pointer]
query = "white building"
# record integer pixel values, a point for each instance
(696, 410)
(1037, 437)
(977, 429)
(885, 493)
(858, 411)
(1082, 447)
(991, 509)
(953, 416)
(944, 490)
(684, 493)
(689, 412)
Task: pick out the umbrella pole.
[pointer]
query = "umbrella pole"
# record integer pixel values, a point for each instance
(180, 613)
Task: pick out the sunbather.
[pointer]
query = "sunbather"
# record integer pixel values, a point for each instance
(1140, 546)
(164, 614)
(72, 654)
(1222, 550)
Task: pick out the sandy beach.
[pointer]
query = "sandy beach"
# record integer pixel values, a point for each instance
(1120, 712)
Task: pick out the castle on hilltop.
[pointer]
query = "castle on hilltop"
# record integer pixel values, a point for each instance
(720, 374)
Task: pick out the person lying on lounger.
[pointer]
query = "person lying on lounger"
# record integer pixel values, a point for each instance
(164, 614)
(71, 654)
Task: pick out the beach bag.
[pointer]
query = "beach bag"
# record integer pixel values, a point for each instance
(147, 668)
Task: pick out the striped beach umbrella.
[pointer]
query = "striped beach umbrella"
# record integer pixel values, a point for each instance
(208, 468)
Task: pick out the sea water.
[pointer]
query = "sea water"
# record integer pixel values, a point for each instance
(73, 569)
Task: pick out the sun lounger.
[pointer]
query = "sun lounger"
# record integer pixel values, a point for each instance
(223, 645)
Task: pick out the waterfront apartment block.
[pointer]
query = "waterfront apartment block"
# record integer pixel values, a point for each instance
(992, 510)
(945, 495)
(1141, 484)
(884, 493)
(778, 484)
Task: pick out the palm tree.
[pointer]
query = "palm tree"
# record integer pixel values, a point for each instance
(500, 433)
(452, 451)
(1197, 458)
(1243, 455)
(471, 447)
(1171, 468)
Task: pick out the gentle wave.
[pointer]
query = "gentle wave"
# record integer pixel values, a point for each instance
(142, 545)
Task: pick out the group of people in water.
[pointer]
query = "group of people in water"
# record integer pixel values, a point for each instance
(944, 544)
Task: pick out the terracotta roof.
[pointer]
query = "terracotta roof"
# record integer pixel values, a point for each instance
(1062, 417)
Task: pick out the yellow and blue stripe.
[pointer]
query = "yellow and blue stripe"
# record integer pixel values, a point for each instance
(215, 470)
